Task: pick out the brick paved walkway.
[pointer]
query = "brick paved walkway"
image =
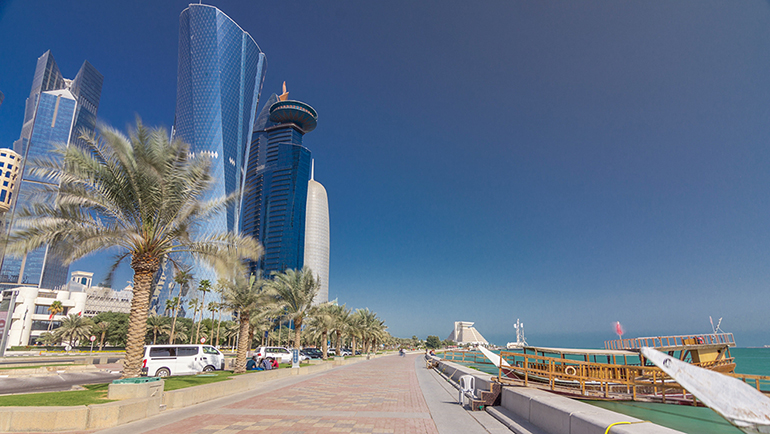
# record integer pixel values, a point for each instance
(376, 396)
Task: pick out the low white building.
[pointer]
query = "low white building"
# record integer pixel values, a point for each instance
(31, 317)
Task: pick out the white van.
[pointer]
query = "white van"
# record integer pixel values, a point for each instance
(165, 360)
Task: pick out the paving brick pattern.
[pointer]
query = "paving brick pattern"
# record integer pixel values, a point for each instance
(376, 396)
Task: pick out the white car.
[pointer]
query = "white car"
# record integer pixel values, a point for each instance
(165, 360)
(281, 354)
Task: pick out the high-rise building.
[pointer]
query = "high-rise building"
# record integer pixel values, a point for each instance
(275, 197)
(57, 112)
(317, 235)
(220, 74)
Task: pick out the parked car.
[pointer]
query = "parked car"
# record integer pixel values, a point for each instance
(344, 352)
(165, 360)
(281, 354)
(312, 353)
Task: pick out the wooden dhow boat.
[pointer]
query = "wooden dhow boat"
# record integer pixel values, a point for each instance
(618, 372)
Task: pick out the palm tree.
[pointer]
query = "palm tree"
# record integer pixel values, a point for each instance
(74, 328)
(294, 291)
(157, 324)
(340, 315)
(213, 307)
(231, 331)
(321, 323)
(101, 328)
(170, 304)
(353, 329)
(48, 338)
(182, 277)
(55, 308)
(193, 304)
(141, 195)
(203, 287)
(242, 296)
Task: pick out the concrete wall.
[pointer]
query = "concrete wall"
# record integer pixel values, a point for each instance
(552, 413)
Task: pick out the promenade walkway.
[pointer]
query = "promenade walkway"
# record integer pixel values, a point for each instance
(390, 394)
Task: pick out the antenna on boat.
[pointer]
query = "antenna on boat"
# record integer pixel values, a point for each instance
(716, 329)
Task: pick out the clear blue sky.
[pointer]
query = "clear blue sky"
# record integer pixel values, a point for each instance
(571, 164)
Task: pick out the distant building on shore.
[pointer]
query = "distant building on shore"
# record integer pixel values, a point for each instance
(465, 334)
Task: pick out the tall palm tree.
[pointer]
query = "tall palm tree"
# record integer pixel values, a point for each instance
(157, 324)
(182, 277)
(101, 328)
(203, 287)
(242, 295)
(74, 328)
(140, 195)
(170, 305)
(321, 323)
(213, 307)
(193, 304)
(54, 309)
(340, 316)
(294, 291)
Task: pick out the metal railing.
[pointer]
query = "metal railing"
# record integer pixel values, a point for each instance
(671, 341)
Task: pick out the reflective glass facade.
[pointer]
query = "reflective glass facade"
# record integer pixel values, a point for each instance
(57, 112)
(220, 74)
(275, 199)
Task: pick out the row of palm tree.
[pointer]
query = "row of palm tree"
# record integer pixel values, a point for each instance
(142, 197)
(75, 329)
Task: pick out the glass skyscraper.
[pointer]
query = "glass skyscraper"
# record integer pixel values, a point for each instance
(275, 198)
(220, 74)
(57, 111)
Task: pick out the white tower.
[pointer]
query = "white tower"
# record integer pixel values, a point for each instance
(317, 235)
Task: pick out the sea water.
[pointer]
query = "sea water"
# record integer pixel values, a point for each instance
(687, 419)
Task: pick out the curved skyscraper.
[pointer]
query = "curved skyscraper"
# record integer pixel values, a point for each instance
(220, 74)
(317, 235)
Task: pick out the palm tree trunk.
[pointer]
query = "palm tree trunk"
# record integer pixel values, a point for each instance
(243, 345)
(339, 343)
(144, 268)
(176, 312)
(354, 345)
(297, 331)
(324, 346)
(101, 341)
(154, 335)
(197, 332)
(219, 323)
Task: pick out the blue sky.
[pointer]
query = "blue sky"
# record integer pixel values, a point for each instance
(571, 164)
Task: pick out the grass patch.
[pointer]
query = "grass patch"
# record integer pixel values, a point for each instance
(94, 394)
(36, 366)
(182, 381)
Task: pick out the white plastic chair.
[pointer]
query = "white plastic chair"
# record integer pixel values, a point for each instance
(467, 388)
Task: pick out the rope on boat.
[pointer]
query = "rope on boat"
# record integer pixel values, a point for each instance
(623, 423)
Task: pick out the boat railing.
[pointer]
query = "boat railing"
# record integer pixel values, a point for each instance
(590, 379)
(465, 357)
(671, 341)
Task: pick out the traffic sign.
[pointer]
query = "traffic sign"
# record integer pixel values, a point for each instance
(203, 340)
(93, 338)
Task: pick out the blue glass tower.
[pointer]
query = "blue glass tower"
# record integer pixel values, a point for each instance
(57, 111)
(275, 197)
(220, 74)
